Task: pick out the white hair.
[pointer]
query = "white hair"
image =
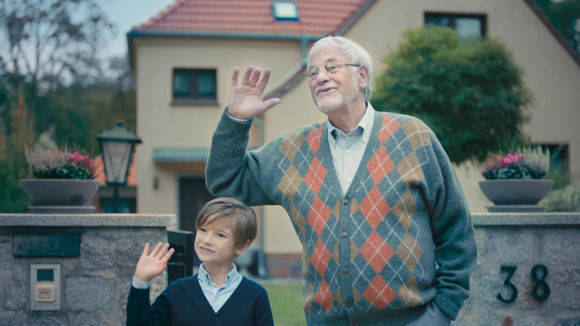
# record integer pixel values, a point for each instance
(356, 53)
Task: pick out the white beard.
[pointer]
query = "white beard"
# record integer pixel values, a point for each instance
(329, 103)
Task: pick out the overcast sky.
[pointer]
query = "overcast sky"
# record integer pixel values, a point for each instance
(126, 14)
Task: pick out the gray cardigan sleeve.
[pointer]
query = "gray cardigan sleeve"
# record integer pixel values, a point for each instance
(232, 170)
(455, 250)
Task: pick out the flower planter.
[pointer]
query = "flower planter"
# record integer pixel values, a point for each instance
(516, 195)
(60, 195)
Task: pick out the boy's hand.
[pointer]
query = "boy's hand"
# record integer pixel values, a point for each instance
(246, 95)
(152, 265)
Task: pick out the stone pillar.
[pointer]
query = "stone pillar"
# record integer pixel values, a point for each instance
(94, 284)
(524, 240)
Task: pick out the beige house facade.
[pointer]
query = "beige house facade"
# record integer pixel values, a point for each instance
(176, 133)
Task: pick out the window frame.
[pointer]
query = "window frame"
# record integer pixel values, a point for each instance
(453, 17)
(193, 98)
(278, 17)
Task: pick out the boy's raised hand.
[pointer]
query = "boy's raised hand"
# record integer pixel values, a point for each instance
(152, 265)
(246, 95)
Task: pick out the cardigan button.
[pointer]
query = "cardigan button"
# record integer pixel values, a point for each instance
(345, 202)
(344, 235)
(345, 271)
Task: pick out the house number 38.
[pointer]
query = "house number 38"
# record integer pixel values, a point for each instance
(540, 291)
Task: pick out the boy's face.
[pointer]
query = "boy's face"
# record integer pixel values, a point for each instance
(214, 243)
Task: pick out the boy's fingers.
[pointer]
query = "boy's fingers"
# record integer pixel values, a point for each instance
(162, 252)
(156, 249)
(145, 249)
(168, 255)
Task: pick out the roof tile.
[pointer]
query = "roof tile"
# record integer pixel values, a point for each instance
(316, 17)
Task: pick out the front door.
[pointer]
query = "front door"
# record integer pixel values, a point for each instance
(192, 196)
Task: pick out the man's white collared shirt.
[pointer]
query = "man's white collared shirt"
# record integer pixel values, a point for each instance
(347, 149)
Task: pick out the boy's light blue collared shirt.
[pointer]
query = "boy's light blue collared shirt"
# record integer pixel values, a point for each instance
(216, 296)
(347, 149)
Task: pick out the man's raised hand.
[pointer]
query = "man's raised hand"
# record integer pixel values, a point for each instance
(152, 265)
(246, 95)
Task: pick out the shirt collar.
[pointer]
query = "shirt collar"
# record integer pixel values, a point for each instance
(365, 124)
(231, 278)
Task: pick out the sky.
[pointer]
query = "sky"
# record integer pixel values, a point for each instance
(125, 14)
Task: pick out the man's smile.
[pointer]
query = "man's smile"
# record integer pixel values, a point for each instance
(325, 90)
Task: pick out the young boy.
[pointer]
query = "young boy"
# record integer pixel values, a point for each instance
(218, 294)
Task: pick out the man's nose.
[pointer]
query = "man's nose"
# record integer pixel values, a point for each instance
(322, 76)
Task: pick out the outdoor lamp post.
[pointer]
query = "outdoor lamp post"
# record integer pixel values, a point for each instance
(117, 145)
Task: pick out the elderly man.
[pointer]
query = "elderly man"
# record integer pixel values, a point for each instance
(386, 233)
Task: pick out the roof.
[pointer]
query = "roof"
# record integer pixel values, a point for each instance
(315, 17)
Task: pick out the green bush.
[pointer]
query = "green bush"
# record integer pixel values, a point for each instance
(469, 91)
(563, 200)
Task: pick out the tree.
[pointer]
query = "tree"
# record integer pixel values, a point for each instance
(12, 161)
(51, 41)
(469, 91)
(50, 70)
(565, 16)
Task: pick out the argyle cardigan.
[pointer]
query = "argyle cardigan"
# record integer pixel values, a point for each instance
(371, 254)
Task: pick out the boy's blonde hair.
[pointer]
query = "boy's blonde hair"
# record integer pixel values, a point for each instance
(244, 219)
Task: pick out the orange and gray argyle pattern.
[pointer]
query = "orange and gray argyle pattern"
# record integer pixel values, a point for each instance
(371, 230)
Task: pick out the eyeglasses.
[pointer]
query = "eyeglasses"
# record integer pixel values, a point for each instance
(331, 68)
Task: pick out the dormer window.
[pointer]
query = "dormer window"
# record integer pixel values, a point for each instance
(285, 10)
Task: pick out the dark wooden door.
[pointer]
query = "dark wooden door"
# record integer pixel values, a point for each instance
(192, 196)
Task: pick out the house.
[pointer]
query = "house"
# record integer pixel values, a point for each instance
(183, 58)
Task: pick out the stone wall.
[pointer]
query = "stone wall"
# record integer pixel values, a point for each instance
(94, 285)
(523, 241)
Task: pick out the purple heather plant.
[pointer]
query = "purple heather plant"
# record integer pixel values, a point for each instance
(55, 163)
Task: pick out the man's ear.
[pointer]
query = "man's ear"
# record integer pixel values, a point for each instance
(238, 251)
(363, 74)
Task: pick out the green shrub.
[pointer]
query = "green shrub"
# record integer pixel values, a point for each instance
(470, 92)
(563, 200)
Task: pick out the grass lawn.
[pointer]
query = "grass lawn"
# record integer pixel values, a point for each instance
(286, 301)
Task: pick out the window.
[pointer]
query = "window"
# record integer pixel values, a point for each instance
(194, 86)
(284, 10)
(464, 25)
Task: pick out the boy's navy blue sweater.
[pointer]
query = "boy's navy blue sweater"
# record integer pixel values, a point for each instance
(183, 303)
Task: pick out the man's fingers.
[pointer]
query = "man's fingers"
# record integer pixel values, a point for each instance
(247, 74)
(254, 78)
(264, 81)
(271, 103)
(145, 249)
(235, 76)
(156, 249)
